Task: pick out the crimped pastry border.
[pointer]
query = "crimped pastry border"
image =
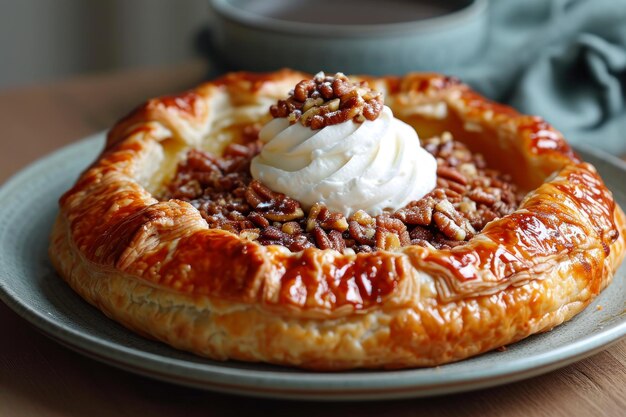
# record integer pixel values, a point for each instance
(156, 268)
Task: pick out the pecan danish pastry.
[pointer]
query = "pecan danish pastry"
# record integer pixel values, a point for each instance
(332, 223)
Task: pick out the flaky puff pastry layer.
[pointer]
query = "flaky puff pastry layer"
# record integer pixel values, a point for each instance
(155, 267)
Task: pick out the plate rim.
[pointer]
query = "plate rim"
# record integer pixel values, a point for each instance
(344, 385)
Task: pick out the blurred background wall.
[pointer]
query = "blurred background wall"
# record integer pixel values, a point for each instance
(43, 40)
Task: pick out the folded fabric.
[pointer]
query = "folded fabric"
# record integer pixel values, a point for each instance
(563, 60)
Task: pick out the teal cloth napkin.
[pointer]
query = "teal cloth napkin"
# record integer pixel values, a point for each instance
(563, 60)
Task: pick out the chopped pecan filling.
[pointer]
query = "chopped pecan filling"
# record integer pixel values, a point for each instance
(329, 100)
(467, 197)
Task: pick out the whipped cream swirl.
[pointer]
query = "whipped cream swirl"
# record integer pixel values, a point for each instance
(371, 166)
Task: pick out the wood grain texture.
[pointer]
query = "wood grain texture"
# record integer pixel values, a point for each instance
(39, 377)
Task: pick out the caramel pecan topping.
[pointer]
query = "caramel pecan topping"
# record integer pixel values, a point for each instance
(468, 196)
(328, 100)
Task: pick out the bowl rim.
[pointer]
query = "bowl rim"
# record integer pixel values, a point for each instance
(226, 10)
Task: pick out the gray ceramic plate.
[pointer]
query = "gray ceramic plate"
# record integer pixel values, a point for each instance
(31, 288)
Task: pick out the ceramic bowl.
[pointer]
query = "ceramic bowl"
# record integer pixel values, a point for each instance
(256, 36)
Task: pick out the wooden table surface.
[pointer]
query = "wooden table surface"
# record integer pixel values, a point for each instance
(38, 377)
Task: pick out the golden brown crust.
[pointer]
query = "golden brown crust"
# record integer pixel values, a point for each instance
(157, 268)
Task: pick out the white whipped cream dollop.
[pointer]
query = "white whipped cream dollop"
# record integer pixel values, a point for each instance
(370, 166)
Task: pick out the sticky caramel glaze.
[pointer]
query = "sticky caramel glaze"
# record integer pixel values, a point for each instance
(360, 282)
(571, 217)
(116, 223)
(188, 108)
(499, 132)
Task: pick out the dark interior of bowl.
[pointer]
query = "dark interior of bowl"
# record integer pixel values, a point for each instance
(350, 12)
